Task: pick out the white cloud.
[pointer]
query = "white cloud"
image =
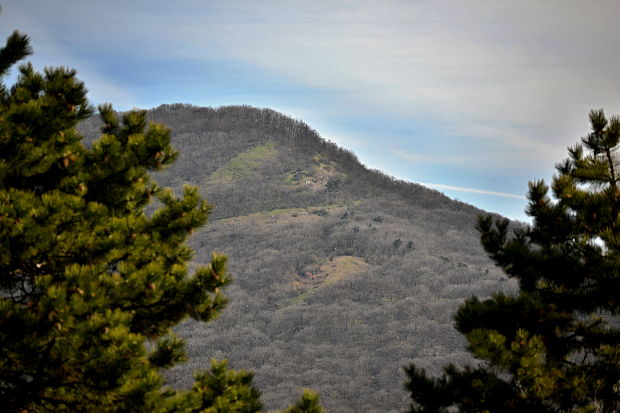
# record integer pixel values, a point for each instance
(472, 190)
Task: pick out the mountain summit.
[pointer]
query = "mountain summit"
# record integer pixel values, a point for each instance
(342, 275)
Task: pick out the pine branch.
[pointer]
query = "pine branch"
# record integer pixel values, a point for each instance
(17, 47)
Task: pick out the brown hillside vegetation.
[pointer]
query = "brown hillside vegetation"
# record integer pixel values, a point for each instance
(342, 275)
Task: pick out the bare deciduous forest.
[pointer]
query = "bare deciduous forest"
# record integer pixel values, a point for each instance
(342, 275)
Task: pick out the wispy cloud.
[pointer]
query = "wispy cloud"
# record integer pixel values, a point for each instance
(471, 190)
(435, 159)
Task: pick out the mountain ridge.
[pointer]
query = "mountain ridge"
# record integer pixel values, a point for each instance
(342, 275)
(187, 123)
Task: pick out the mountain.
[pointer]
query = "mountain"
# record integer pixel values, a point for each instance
(342, 275)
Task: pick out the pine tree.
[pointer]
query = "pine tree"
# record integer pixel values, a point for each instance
(91, 284)
(554, 346)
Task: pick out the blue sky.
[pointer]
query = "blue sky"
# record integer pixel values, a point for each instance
(474, 98)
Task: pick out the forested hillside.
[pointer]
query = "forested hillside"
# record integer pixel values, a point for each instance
(342, 275)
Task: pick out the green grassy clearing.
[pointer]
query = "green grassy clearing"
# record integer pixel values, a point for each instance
(247, 162)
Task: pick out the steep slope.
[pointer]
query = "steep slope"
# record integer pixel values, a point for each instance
(342, 275)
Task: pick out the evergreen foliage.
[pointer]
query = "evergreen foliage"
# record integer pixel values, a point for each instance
(554, 346)
(91, 284)
(309, 403)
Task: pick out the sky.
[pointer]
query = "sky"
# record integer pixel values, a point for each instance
(473, 98)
